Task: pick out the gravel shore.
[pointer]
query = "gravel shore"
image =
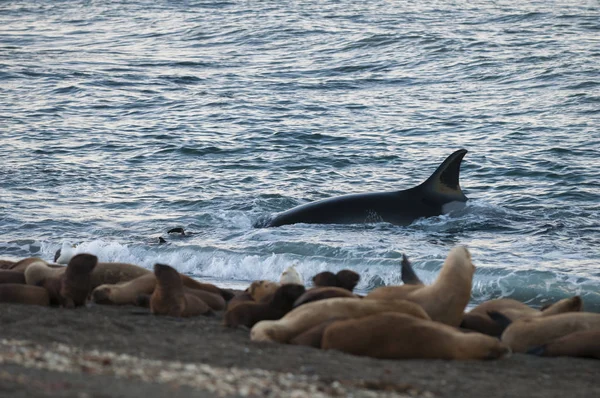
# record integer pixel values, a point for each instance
(104, 351)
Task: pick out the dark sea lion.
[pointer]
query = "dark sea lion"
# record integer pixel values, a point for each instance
(23, 294)
(478, 319)
(248, 314)
(322, 293)
(7, 276)
(439, 194)
(307, 316)
(346, 279)
(527, 333)
(585, 344)
(400, 336)
(169, 297)
(240, 298)
(446, 299)
(76, 282)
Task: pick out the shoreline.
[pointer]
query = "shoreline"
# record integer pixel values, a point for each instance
(107, 332)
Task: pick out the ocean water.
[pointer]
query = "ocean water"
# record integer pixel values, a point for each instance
(121, 120)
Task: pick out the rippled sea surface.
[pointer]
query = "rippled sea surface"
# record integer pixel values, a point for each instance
(121, 120)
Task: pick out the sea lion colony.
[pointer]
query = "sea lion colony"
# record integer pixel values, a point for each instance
(408, 321)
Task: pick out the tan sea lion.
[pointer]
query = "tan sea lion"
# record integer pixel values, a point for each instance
(248, 314)
(313, 336)
(209, 287)
(346, 279)
(585, 344)
(169, 297)
(7, 276)
(400, 336)
(526, 333)
(72, 287)
(309, 315)
(446, 299)
(322, 293)
(261, 289)
(216, 302)
(124, 293)
(478, 319)
(23, 294)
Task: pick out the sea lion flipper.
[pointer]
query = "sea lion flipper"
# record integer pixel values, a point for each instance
(445, 179)
(502, 320)
(407, 273)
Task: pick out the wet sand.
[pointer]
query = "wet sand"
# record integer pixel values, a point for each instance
(79, 353)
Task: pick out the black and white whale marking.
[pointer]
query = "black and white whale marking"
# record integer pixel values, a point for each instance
(439, 194)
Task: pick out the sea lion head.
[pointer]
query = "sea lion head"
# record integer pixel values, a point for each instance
(286, 295)
(290, 275)
(325, 279)
(260, 289)
(347, 279)
(167, 276)
(76, 282)
(459, 261)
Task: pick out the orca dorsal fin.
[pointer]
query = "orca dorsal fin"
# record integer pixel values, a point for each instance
(445, 179)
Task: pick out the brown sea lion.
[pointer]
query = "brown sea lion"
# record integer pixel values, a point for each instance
(346, 279)
(400, 336)
(526, 333)
(72, 287)
(169, 297)
(7, 276)
(313, 336)
(322, 293)
(444, 300)
(7, 264)
(23, 264)
(478, 318)
(209, 287)
(585, 344)
(242, 297)
(309, 315)
(216, 302)
(261, 289)
(248, 314)
(23, 294)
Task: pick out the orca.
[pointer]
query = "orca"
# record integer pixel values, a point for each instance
(439, 194)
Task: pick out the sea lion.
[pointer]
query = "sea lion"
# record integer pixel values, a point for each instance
(346, 279)
(240, 298)
(313, 336)
(169, 297)
(446, 299)
(290, 276)
(8, 276)
(400, 336)
(126, 292)
(526, 333)
(103, 273)
(478, 319)
(71, 288)
(322, 293)
(216, 302)
(7, 264)
(585, 344)
(248, 314)
(209, 287)
(261, 289)
(23, 264)
(17, 293)
(309, 315)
